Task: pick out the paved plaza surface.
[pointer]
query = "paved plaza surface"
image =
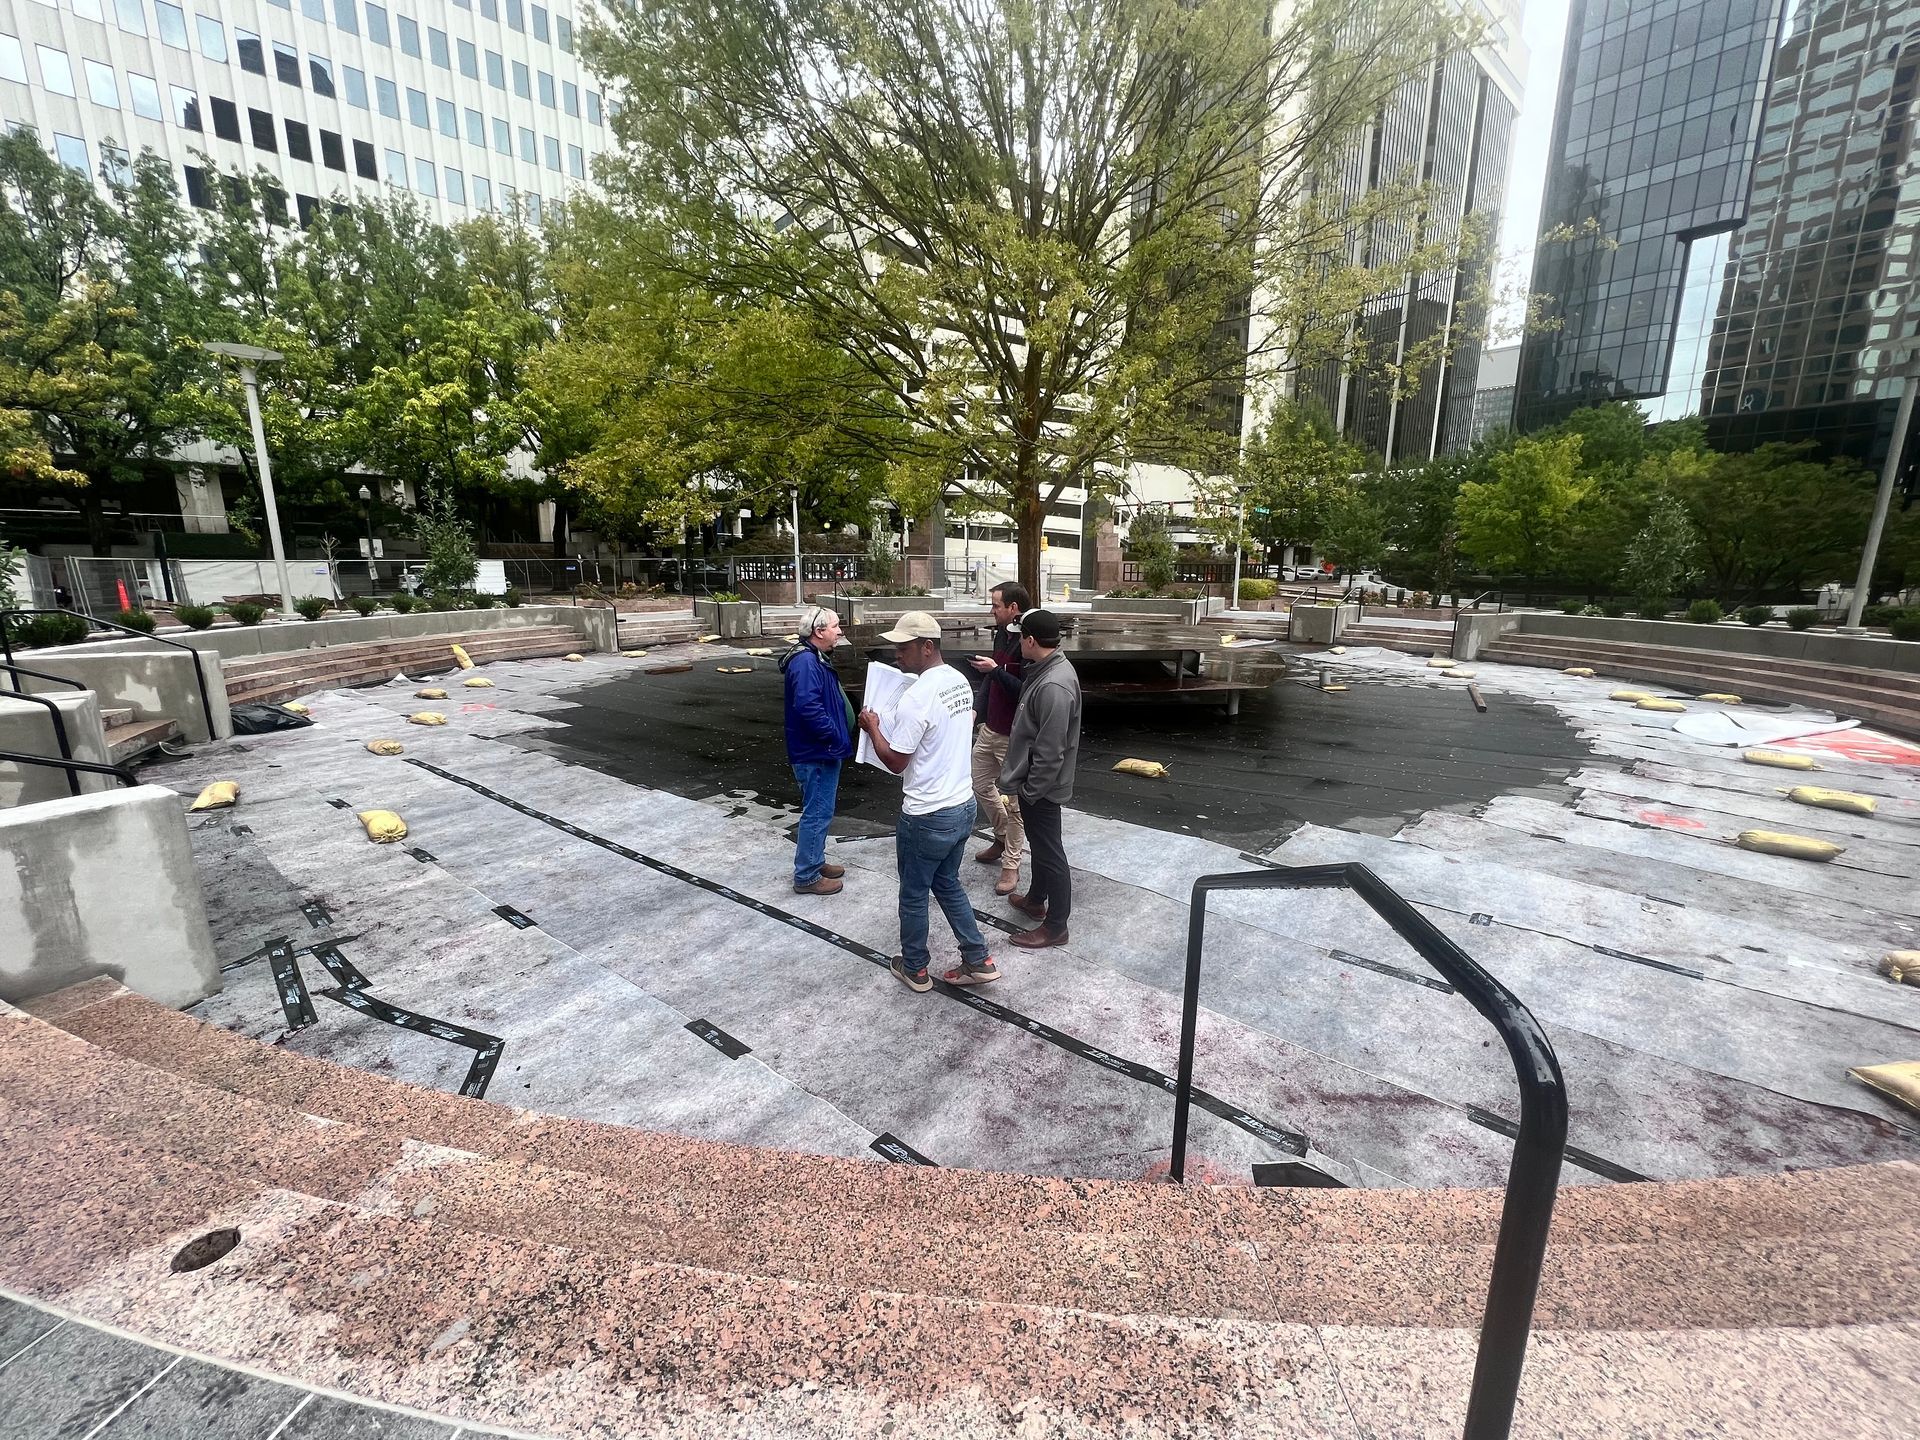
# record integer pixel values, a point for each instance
(597, 877)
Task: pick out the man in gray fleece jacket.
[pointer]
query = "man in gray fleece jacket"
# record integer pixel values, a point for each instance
(1042, 750)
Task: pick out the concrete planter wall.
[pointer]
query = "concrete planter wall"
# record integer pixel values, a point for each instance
(1474, 632)
(1189, 611)
(1320, 624)
(730, 619)
(869, 609)
(27, 729)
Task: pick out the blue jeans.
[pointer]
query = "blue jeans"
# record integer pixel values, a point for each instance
(819, 788)
(929, 849)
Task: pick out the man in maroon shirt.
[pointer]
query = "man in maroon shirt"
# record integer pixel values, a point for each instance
(999, 698)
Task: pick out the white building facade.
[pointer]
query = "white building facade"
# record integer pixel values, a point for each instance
(473, 106)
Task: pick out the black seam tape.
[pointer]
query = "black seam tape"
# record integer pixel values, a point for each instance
(486, 1047)
(317, 915)
(423, 856)
(1653, 964)
(339, 804)
(513, 917)
(1585, 1159)
(719, 1039)
(1412, 977)
(344, 972)
(1288, 1141)
(291, 986)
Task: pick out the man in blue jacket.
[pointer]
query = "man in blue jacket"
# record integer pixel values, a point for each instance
(819, 738)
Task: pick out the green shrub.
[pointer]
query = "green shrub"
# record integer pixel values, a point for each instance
(1613, 609)
(247, 613)
(402, 603)
(311, 606)
(1705, 612)
(194, 617)
(1802, 617)
(442, 600)
(1887, 614)
(1572, 607)
(139, 620)
(1905, 627)
(723, 597)
(480, 600)
(514, 598)
(1152, 549)
(1756, 615)
(364, 604)
(1254, 591)
(46, 630)
(1652, 609)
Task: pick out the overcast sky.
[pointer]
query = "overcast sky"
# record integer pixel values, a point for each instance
(1545, 29)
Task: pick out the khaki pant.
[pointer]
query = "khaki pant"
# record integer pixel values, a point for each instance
(1001, 811)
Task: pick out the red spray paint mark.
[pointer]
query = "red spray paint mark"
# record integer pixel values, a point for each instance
(1664, 821)
(1865, 745)
(469, 709)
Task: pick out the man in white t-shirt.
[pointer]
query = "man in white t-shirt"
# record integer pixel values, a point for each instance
(927, 740)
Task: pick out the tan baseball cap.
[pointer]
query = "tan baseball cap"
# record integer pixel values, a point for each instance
(914, 625)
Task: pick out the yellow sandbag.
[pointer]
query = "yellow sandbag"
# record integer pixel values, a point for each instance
(478, 682)
(1150, 769)
(1720, 698)
(1440, 663)
(793, 639)
(1338, 650)
(217, 796)
(1797, 847)
(1898, 1081)
(733, 669)
(1779, 759)
(706, 639)
(461, 656)
(430, 694)
(1630, 697)
(1584, 672)
(427, 717)
(1832, 799)
(573, 656)
(386, 747)
(1901, 966)
(761, 650)
(634, 654)
(1461, 674)
(383, 826)
(296, 708)
(1331, 689)
(1654, 703)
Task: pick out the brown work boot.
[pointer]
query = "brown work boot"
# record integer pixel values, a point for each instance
(833, 872)
(825, 885)
(992, 853)
(1038, 938)
(1035, 908)
(1008, 882)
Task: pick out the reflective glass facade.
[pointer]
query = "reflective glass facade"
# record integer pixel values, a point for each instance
(1819, 311)
(1659, 111)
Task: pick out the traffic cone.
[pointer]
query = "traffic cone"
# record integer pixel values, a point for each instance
(121, 586)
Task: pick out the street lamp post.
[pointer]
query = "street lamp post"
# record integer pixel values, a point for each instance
(250, 356)
(1863, 583)
(799, 597)
(1239, 546)
(366, 513)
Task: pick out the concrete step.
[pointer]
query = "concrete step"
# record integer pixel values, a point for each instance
(437, 647)
(134, 739)
(1895, 682)
(282, 676)
(111, 716)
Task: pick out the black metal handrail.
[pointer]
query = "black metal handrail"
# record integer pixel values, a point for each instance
(1499, 598)
(125, 776)
(59, 721)
(1526, 1215)
(199, 675)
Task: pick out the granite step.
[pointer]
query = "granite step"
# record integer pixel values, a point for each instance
(433, 647)
(1892, 682)
(1797, 1252)
(132, 739)
(283, 675)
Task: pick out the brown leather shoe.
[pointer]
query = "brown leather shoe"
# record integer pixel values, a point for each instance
(991, 853)
(823, 886)
(1035, 908)
(1008, 882)
(1039, 938)
(833, 872)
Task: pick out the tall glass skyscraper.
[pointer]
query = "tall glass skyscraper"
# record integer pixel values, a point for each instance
(1659, 111)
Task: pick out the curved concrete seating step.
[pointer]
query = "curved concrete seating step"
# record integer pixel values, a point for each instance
(284, 674)
(1887, 698)
(689, 1287)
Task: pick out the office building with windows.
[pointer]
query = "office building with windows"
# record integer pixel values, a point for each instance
(473, 106)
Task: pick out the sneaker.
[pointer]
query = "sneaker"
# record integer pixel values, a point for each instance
(915, 980)
(991, 853)
(825, 885)
(833, 872)
(964, 974)
(1008, 882)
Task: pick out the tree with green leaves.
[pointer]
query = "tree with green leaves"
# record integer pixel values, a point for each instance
(1776, 519)
(1662, 558)
(1355, 533)
(99, 322)
(1521, 519)
(1294, 471)
(1024, 221)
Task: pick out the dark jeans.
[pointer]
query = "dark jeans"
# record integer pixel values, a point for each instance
(1052, 879)
(929, 849)
(819, 788)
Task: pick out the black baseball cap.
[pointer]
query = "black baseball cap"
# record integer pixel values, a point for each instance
(1043, 626)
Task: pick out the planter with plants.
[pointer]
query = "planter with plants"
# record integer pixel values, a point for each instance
(728, 614)
(140, 620)
(1905, 627)
(1704, 612)
(43, 632)
(312, 607)
(245, 612)
(364, 605)
(194, 617)
(514, 598)
(402, 603)
(1187, 603)
(867, 604)
(1802, 617)
(1756, 615)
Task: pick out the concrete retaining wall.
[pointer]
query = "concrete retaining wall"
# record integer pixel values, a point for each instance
(27, 729)
(1473, 632)
(104, 885)
(1189, 612)
(1320, 624)
(596, 625)
(156, 682)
